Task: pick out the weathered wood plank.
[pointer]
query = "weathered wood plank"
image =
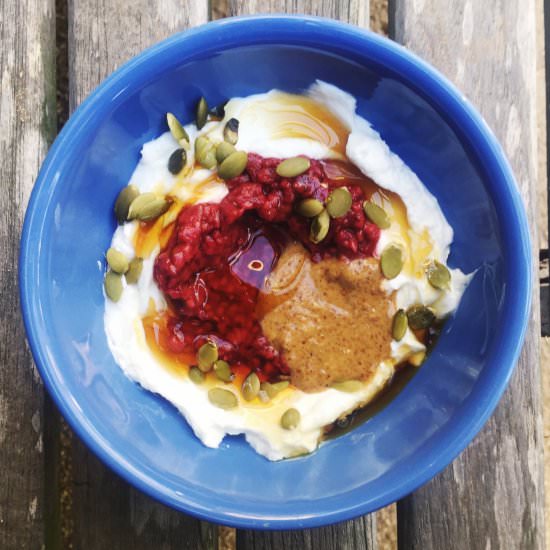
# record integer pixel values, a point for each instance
(492, 496)
(107, 512)
(352, 11)
(351, 535)
(27, 114)
(358, 534)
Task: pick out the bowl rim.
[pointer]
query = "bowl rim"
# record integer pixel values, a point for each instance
(417, 74)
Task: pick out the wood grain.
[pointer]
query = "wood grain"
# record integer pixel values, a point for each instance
(492, 496)
(107, 512)
(358, 534)
(351, 11)
(27, 115)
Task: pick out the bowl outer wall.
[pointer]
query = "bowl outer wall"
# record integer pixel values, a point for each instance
(311, 32)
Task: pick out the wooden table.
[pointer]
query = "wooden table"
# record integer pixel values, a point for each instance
(490, 497)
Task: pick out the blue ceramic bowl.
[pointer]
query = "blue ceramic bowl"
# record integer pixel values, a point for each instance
(69, 224)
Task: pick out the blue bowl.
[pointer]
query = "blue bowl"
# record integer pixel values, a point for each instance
(69, 224)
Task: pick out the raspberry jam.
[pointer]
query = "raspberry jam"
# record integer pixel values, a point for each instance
(214, 265)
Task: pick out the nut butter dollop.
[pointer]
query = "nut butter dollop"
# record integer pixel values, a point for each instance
(331, 320)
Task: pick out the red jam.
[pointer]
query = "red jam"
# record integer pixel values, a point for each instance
(216, 261)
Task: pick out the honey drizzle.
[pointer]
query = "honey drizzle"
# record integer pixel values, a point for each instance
(297, 116)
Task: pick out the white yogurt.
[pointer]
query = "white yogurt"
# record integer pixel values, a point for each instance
(260, 424)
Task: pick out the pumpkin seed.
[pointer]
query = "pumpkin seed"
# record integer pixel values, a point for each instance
(222, 398)
(273, 389)
(134, 270)
(177, 161)
(205, 152)
(399, 325)
(123, 201)
(113, 285)
(207, 356)
(348, 386)
(280, 386)
(219, 110)
(231, 131)
(233, 165)
(251, 386)
(223, 370)
(148, 207)
(202, 113)
(319, 227)
(292, 167)
(196, 375)
(138, 203)
(223, 150)
(420, 317)
(290, 419)
(376, 214)
(117, 261)
(176, 128)
(438, 275)
(309, 208)
(339, 202)
(391, 261)
(202, 143)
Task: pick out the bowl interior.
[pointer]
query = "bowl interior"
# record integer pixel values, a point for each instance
(70, 224)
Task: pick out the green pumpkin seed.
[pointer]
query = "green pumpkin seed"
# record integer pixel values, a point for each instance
(207, 356)
(176, 128)
(202, 143)
(233, 165)
(290, 419)
(113, 285)
(202, 113)
(339, 202)
(319, 227)
(292, 167)
(251, 386)
(438, 275)
(420, 317)
(348, 386)
(273, 389)
(205, 152)
(231, 131)
(153, 210)
(208, 159)
(134, 270)
(123, 201)
(391, 261)
(177, 161)
(280, 386)
(223, 371)
(309, 208)
(223, 150)
(196, 375)
(138, 203)
(148, 207)
(117, 261)
(224, 399)
(376, 215)
(399, 325)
